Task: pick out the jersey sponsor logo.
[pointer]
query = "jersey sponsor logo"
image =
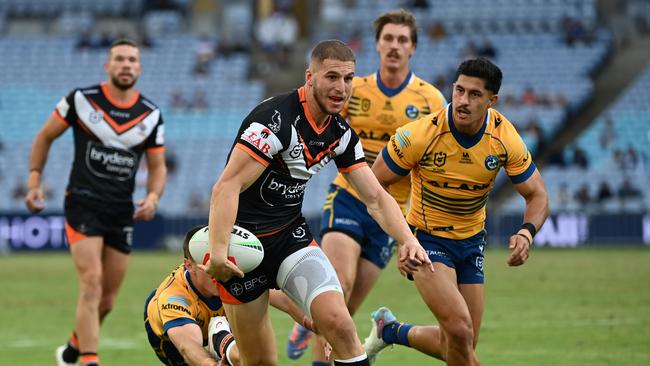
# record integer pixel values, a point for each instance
(396, 148)
(412, 111)
(236, 289)
(175, 307)
(63, 107)
(119, 114)
(279, 190)
(365, 104)
(388, 106)
(276, 121)
(257, 139)
(461, 186)
(491, 162)
(439, 158)
(180, 299)
(110, 162)
(497, 122)
(403, 138)
(255, 282)
(316, 143)
(387, 119)
(346, 221)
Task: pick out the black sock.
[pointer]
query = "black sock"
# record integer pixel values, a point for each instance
(70, 354)
(221, 341)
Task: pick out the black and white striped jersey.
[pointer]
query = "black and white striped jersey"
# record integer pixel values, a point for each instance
(109, 139)
(280, 134)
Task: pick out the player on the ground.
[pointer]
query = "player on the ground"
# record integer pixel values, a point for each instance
(178, 315)
(113, 125)
(280, 145)
(453, 156)
(379, 104)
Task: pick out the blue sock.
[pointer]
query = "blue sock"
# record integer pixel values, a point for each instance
(396, 333)
(320, 363)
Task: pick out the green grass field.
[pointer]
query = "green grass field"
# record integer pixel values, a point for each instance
(565, 307)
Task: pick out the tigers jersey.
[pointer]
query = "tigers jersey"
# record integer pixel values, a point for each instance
(451, 173)
(281, 135)
(375, 111)
(177, 302)
(109, 140)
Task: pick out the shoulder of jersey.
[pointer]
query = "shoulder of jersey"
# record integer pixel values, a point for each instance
(360, 81)
(88, 90)
(427, 87)
(500, 121)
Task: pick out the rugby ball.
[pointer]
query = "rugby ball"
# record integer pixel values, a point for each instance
(244, 249)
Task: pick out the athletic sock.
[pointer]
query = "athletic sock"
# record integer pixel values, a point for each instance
(361, 360)
(89, 359)
(71, 352)
(396, 333)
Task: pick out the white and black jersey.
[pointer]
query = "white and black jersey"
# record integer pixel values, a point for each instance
(109, 140)
(281, 135)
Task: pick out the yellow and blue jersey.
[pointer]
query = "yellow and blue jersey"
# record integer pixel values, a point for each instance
(177, 302)
(375, 111)
(451, 173)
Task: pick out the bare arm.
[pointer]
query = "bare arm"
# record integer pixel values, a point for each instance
(534, 192)
(188, 340)
(383, 209)
(155, 185)
(241, 171)
(51, 130)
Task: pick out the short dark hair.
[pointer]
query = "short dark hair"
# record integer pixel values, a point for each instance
(123, 42)
(186, 242)
(482, 68)
(332, 49)
(401, 17)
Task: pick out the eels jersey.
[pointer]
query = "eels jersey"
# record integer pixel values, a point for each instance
(281, 135)
(375, 111)
(177, 302)
(451, 173)
(109, 140)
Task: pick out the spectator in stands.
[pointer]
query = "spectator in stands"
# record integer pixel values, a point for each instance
(529, 97)
(580, 158)
(105, 40)
(617, 160)
(417, 4)
(85, 41)
(575, 32)
(534, 129)
(628, 191)
(607, 133)
(178, 102)
(278, 31)
(171, 161)
(487, 49)
(563, 198)
(19, 191)
(582, 195)
(469, 51)
(437, 31)
(604, 192)
(199, 101)
(556, 157)
(355, 41)
(631, 160)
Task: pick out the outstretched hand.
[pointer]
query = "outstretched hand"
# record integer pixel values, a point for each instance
(412, 256)
(146, 208)
(519, 245)
(35, 200)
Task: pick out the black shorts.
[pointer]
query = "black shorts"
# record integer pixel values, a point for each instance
(85, 217)
(277, 246)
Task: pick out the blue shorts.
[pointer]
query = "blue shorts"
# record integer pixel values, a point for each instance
(344, 213)
(465, 255)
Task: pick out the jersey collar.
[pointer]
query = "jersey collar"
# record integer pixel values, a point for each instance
(392, 92)
(214, 302)
(465, 140)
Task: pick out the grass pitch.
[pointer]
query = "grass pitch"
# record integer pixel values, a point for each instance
(588, 306)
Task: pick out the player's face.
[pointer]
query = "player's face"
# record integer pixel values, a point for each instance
(331, 83)
(470, 102)
(395, 46)
(204, 282)
(123, 66)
